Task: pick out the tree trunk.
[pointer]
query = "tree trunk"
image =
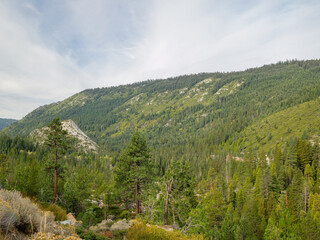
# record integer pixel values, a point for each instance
(227, 168)
(286, 199)
(167, 203)
(55, 175)
(105, 213)
(173, 217)
(137, 199)
(268, 203)
(305, 199)
(166, 209)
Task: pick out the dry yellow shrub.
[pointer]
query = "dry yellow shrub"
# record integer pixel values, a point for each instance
(143, 231)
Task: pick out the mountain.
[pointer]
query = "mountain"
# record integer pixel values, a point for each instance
(189, 116)
(82, 140)
(4, 122)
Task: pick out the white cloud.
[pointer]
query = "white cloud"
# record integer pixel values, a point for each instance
(29, 69)
(50, 50)
(185, 38)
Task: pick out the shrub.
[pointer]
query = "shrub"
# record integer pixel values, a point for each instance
(142, 231)
(59, 213)
(18, 213)
(64, 230)
(48, 236)
(90, 235)
(119, 234)
(15, 235)
(125, 214)
(60, 232)
(9, 217)
(114, 210)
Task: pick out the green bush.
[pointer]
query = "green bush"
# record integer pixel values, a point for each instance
(59, 213)
(89, 235)
(114, 210)
(119, 234)
(125, 214)
(141, 231)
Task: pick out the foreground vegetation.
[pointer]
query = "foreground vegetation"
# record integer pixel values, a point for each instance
(258, 197)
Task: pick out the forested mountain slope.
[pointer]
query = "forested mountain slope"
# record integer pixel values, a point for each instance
(185, 117)
(4, 122)
(300, 121)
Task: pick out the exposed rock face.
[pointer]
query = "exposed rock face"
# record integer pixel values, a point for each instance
(66, 222)
(73, 130)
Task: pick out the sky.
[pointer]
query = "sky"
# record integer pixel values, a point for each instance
(50, 50)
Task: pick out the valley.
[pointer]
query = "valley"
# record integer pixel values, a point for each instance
(212, 155)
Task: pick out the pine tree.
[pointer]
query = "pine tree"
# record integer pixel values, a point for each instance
(296, 197)
(303, 154)
(134, 170)
(272, 232)
(77, 189)
(56, 138)
(228, 225)
(179, 185)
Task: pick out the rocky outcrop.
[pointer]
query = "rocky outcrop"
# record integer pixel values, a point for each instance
(71, 218)
(83, 141)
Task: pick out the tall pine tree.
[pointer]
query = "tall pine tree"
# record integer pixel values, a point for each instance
(134, 170)
(56, 138)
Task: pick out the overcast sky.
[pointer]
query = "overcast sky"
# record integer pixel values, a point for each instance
(50, 50)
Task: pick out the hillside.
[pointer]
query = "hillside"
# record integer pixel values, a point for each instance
(224, 155)
(187, 116)
(4, 122)
(301, 121)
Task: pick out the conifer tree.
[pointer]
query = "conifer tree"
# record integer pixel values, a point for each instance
(272, 232)
(303, 154)
(179, 187)
(228, 225)
(134, 170)
(56, 138)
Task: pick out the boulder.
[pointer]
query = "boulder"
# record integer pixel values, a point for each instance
(112, 217)
(166, 227)
(121, 225)
(94, 229)
(66, 222)
(71, 218)
(104, 225)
